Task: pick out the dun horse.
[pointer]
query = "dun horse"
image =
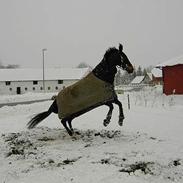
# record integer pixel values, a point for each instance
(94, 90)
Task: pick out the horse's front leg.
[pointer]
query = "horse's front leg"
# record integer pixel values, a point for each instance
(109, 114)
(121, 115)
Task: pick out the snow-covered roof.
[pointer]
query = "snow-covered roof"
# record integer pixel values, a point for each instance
(171, 62)
(156, 72)
(150, 75)
(137, 80)
(37, 74)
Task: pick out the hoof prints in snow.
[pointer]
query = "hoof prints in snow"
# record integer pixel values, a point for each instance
(38, 144)
(134, 154)
(168, 171)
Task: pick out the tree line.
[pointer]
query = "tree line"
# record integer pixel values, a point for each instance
(9, 66)
(123, 77)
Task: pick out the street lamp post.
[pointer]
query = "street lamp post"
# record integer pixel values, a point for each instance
(43, 54)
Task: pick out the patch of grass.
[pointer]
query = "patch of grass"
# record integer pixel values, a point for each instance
(143, 166)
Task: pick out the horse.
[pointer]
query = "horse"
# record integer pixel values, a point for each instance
(103, 73)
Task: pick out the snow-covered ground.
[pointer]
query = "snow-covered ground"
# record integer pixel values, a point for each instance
(148, 148)
(25, 97)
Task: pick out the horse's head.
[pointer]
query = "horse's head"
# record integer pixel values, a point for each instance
(117, 57)
(124, 61)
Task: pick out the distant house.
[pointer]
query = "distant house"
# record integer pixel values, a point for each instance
(19, 81)
(157, 78)
(172, 76)
(138, 80)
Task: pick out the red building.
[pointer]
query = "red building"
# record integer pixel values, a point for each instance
(172, 76)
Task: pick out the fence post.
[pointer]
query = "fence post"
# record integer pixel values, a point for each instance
(128, 101)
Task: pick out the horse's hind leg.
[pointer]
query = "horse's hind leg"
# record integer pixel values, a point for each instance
(109, 114)
(121, 115)
(63, 121)
(70, 125)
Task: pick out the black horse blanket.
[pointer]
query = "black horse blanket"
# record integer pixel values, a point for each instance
(84, 95)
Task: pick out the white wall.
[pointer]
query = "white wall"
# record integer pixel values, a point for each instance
(28, 86)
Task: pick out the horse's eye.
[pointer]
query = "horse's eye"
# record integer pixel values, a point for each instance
(123, 66)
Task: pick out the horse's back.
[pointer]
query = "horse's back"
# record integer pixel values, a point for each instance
(87, 92)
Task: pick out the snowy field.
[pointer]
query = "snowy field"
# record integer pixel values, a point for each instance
(25, 97)
(148, 148)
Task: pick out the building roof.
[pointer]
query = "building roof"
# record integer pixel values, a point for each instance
(171, 62)
(37, 74)
(150, 75)
(157, 72)
(137, 79)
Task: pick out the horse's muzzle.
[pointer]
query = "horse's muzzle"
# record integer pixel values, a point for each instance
(130, 69)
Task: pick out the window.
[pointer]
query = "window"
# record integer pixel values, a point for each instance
(33, 88)
(49, 87)
(25, 89)
(60, 81)
(41, 88)
(10, 89)
(8, 82)
(56, 88)
(35, 82)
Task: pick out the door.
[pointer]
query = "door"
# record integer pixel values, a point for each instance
(18, 90)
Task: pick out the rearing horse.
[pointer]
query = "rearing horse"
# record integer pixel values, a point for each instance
(94, 90)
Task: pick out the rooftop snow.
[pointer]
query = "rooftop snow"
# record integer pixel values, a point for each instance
(171, 62)
(156, 72)
(150, 75)
(137, 79)
(37, 74)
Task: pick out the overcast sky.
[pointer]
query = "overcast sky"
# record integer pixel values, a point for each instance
(75, 31)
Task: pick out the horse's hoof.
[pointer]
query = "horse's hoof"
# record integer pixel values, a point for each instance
(70, 133)
(106, 122)
(120, 122)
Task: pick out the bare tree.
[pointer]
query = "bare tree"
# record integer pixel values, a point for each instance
(12, 66)
(83, 65)
(9, 66)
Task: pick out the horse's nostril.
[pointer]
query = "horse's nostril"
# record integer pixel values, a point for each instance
(130, 69)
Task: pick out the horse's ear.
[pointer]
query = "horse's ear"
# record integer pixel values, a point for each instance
(120, 47)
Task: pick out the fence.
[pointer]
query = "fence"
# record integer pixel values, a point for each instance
(131, 87)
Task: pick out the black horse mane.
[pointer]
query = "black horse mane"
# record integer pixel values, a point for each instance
(109, 52)
(104, 70)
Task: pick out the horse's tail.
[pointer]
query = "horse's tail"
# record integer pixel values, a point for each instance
(41, 116)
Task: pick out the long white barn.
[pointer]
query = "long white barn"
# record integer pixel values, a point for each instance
(19, 81)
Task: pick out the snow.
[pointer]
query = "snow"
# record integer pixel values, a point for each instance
(25, 97)
(150, 75)
(137, 80)
(171, 62)
(156, 72)
(148, 148)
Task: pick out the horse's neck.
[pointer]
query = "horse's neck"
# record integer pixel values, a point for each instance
(105, 72)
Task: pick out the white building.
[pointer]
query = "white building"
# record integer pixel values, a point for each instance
(19, 81)
(138, 80)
